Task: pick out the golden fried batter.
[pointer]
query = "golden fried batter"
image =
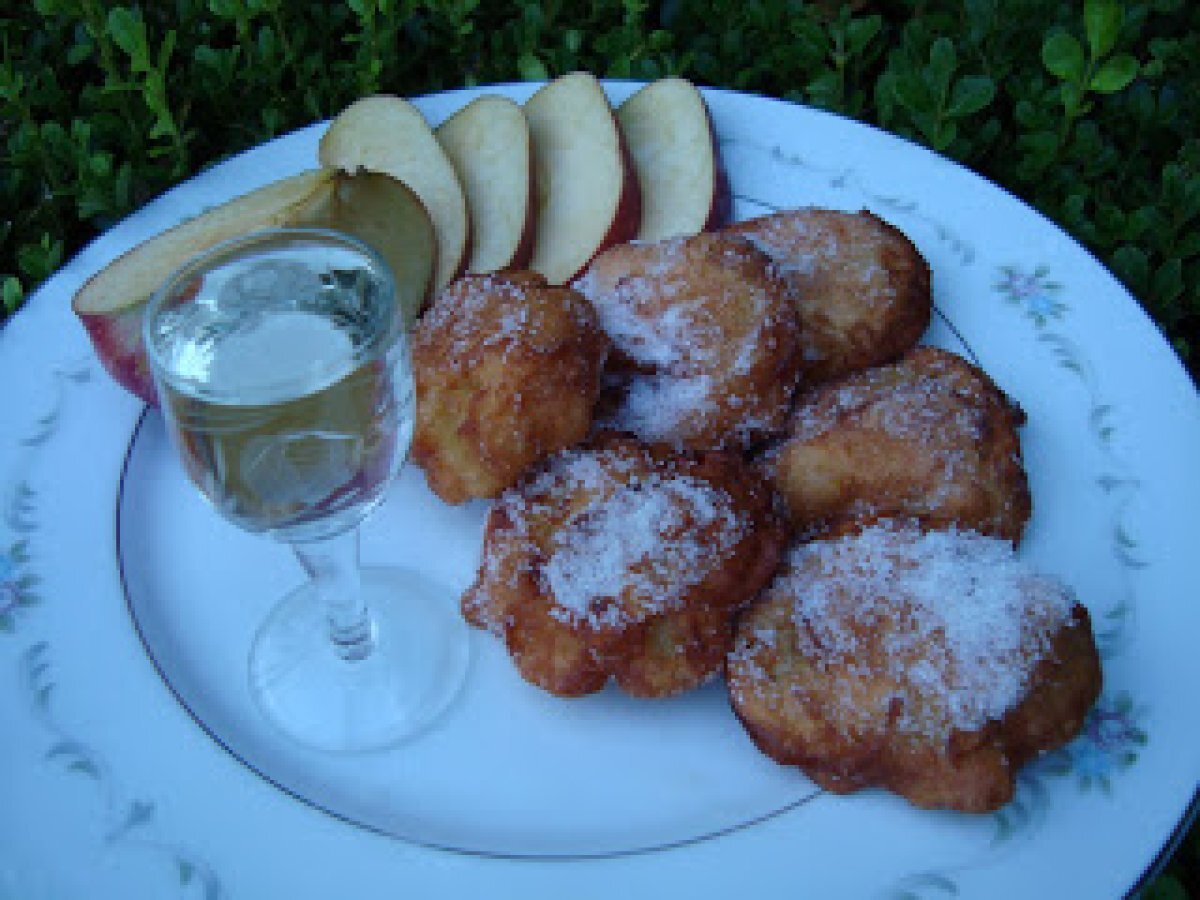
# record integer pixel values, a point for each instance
(932, 664)
(930, 437)
(625, 561)
(859, 284)
(706, 342)
(507, 372)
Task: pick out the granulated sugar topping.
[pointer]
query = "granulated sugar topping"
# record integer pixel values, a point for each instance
(902, 401)
(798, 244)
(485, 311)
(647, 542)
(657, 407)
(705, 342)
(809, 244)
(953, 619)
(613, 538)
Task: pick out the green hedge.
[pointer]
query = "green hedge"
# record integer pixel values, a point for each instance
(1087, 110)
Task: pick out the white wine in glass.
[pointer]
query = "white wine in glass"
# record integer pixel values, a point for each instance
(282, 368)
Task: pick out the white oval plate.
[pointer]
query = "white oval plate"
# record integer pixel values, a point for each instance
(131, 764)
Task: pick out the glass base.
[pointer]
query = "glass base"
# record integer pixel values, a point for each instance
(415, 669)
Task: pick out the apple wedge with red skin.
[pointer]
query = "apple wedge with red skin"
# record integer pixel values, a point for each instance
(387, 134)
(377, 209)
(487, 142)
(588, 198)
(684, 186)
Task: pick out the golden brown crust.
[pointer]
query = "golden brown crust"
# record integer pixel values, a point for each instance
(624, 561)
(706, 341)
(507, 372)
(861, 287)
(930, 437)
(857, 689)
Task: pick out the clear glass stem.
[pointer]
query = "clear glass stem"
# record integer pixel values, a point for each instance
(333, 566)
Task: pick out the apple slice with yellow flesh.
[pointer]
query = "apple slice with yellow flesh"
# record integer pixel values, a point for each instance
(587, 192)
(487, 142)
(379, 210)
(388, 134)
(675, 154)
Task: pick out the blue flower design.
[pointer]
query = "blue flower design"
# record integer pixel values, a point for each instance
(10, 590)
(8, 567)
(1032, 291)
(16, 584)
(1040, 305)
(1109, 742)
(1090, 761)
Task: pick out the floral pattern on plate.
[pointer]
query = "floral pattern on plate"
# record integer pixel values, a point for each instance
(127, 821)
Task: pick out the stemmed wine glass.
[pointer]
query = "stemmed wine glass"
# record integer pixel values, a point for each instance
(282, 368)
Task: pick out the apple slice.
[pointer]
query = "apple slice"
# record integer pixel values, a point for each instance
(488, 144)
(377, 209)
(670, 136)
(388, 134)
(388, 216)
(587, 192)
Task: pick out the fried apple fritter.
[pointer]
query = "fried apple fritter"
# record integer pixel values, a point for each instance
(624, 561)
(507, 371)
(706, 342)
(933, 664)
(861, 287)
(930, 437)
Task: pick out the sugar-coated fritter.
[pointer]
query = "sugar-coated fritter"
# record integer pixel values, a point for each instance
(930, 437)
(624, 561)
(507, 371)
(933, 664)
(705, 340)
(860, 285)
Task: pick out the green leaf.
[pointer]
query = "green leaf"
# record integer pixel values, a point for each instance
(944, 134)
(81, 50)
(11, 293)
(826, 89)
(532, 68)
(860, 33)
(1188, 246)
(1132, 265)
(1063, 57)
(910, 90)
(970, 95)
(1040, 148)
(128, 32)
(943, 59)
(1102, 20)
(1073, 98)
(1115, 74)
(1167, 284)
